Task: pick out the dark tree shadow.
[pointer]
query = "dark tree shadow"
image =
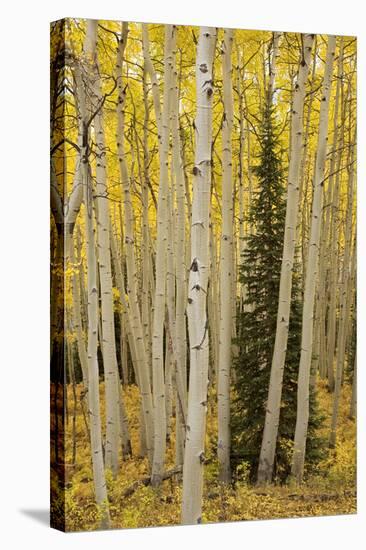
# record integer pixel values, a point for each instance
(40, 515)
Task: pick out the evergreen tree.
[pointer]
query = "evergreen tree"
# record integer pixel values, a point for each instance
(260, 273)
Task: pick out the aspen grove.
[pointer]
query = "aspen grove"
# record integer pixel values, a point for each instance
(203, 270)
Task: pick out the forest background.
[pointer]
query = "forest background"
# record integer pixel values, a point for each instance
(173, 273)
(34, 493)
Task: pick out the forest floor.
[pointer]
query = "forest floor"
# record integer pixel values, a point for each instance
(330, 490)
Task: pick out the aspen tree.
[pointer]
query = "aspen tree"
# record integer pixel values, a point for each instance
(141, 363)
(194, 456)
(153, 78)
(302, 417)
(333, 237)
(268, 447)
(353, 406)
(273, 63)
(111, 376)
(213, 305)
(170, 325)
(80, 337)
(241, 191)
(93, 370)
(68, 216)
(160, 269)
(181, 277)
(147, 268)
(348, 270)
(346, 297)
(306, 160)
(226, 268)
(327, 232)
(131, 339)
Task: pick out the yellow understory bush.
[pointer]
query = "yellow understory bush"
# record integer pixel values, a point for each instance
(331, 490)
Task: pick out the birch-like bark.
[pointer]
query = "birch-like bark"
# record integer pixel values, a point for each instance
(130, 337)
(194, 456)
(302, 418)
(76, 307)
(213, 305)
(160, 269)
(345, 305)
(141, 363)
(305, 165)
(333, 238)
(327, 229)
(273, 63)
(269, 439)
(111, 376)
(241, 192)
(124, 431)
(226, 268)
(170, 325)
(147, 268)
(181, 278)
(93, 370)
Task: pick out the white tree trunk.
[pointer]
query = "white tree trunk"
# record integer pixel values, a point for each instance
(335, 184)
(302, 417)
(197, 289)
(226, 268)
(181, 280)
(268, 448)
(161, 267)
(141, 364)
(77, 324)
(111, 376)
(273, 64)
(93, 370)
(349, 266)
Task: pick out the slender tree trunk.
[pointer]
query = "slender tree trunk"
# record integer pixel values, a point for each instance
(345, 304)
(160, 269)
(76, 306)
(226, 269)
(181, 279)
(111, 376)
(268, 448)
(335, 183)
(141, 364)
(353, 406)
(125, 434)
(147, 268)
(197, 288)
(302, 417)
(70, 357)
(213, 304)
(273, 64)
(93, 370)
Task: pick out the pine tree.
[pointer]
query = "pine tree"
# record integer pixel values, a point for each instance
(260, 273)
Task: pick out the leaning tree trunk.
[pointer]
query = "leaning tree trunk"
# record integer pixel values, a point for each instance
(226, 268)
(268, 448)
(194, 457)
(302, 418)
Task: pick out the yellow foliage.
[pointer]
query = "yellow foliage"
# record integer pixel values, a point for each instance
(330, 491)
